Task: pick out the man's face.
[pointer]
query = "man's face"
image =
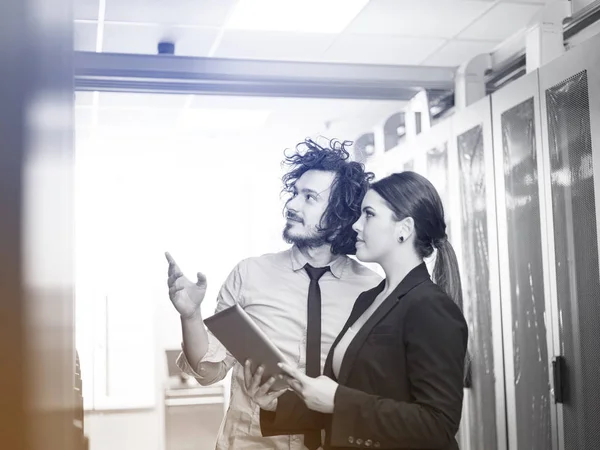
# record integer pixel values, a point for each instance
(306, 207)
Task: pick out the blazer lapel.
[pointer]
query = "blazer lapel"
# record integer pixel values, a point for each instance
(415, 277)
(363, 333)
(362, 303)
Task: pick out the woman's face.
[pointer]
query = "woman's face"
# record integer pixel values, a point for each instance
(377, 229)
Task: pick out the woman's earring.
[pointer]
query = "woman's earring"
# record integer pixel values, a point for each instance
(401, 239)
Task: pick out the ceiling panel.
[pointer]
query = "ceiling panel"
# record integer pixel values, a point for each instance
(456, 52)
(316, 16)
(84, 36)
(385, 32)
(273, 45)
(144, 39)
(85, 9)
(380, 49)
(210, 13)
(501, 22)
(423, 18)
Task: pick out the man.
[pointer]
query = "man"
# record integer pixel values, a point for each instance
(300, 307)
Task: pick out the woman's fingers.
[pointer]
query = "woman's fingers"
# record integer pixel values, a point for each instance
(292, 372)
(296, 386)
(276, 394)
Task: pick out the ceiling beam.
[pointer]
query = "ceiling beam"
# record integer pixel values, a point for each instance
(115, 72)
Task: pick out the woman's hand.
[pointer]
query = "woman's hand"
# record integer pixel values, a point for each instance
(261, 395)
(318, 393)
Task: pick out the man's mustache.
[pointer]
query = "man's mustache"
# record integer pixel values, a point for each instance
(293, 217)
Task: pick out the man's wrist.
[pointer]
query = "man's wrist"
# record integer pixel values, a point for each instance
(196, 316)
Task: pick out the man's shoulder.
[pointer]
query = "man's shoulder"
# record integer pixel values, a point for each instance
(277, 258)
(359, 269)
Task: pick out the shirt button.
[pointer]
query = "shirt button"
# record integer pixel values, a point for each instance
(351, 439)
(368, 442)
(359, 442)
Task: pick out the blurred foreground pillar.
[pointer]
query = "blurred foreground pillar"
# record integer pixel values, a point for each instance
(36, 268)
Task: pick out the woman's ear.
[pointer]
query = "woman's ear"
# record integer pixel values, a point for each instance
(404, 229)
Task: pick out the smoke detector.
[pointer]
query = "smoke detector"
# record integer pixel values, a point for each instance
(166, 48)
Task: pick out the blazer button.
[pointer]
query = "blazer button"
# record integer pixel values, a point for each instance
(368, 442)
(359, 442)
(377, 445)
(351, 439)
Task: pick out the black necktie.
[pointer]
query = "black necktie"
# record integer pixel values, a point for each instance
(312, 440)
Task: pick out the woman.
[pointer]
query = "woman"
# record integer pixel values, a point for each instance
(394, 376)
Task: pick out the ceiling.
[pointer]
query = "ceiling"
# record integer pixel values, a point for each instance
(404, 32)
(423, 32)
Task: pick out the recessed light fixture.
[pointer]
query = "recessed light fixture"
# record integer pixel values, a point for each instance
(303, 16)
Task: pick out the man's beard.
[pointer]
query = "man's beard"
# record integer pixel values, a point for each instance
(304, 241)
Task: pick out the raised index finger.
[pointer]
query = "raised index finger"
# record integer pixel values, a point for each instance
(173, 267)
(170, 258)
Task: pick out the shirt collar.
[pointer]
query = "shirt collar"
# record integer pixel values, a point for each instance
(336, 266)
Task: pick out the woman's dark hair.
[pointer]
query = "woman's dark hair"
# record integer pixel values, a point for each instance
(409, 194)
(348, 189)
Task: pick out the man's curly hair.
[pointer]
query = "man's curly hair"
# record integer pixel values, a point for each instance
(347, 190)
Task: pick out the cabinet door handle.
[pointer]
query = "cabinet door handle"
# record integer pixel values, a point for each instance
(468, 372)
(559, 368)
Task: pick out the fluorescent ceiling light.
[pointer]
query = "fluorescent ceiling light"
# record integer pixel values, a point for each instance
(224, 119)
(305, 16)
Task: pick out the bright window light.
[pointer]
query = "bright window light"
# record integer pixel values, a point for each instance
(224, 119)
(305, 16)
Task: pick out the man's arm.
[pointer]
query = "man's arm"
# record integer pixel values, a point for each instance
(203, 356)
(195, 337)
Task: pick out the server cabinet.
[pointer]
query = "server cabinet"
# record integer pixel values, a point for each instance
(406, 156)
(441, 168)
(476, 248)
(434, 145)
(570, 102)
(524, 278)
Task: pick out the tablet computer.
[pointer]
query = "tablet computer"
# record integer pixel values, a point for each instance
(243, 338)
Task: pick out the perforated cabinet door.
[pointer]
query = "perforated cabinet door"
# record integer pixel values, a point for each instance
(477, 252)
(570, 90)
(523, 270)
